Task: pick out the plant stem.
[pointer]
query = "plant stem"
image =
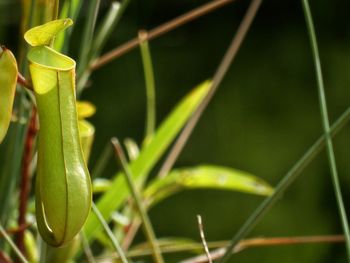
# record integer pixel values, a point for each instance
(244, 244)
(150, 85)
(87, 250)
(325, 122)
(283, 185)
(160, 30)
(204, 241)
(264, 242)
(13, 246)
(25, 179)
(218, 77)
(139, 204)
(102, 161)
(110, 234)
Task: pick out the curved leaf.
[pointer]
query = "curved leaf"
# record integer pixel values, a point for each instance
(148, 157)
(205, 176)
(44, 34)
(8, 80)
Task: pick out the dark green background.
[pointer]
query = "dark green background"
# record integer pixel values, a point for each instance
(263, 118)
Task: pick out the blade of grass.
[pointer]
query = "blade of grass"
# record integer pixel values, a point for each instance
(109, 232)
(285, 182)
(150, 85)
(147, 226)
(13, 246)
(86, 247)
(160, 30)
(218, 77)
(70, 9)
(88, 35)
(111, 20)
(103, 33)
(325, 122)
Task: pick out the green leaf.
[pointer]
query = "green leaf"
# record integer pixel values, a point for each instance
(44, 34)
(8, 81)
(205, 176)
(148, 157)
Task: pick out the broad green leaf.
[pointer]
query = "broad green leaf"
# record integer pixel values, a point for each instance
(44, 34)
(8, 81)
(205, 176)
(117, 194)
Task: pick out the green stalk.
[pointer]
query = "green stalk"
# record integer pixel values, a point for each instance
(110, 234)
(88, 35)
(325, 122)
(283, 185)
(13, 246)
(86, 247)
(150, 85)
(148, 229)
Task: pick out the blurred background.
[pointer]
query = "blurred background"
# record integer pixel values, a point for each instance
(264, 116)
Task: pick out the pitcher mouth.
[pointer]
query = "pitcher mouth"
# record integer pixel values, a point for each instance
(49, 58)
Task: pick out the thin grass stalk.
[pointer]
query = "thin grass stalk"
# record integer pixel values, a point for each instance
(26, 179)
(148, 229)
(284, 184)
(103, 33)
(150, 85)
(325, 123)
(88, 35)
(244, 244)
(111, 21)
(102, 161)
(268, 242)
(86, 247)
(218, 77)
(109, 232)
(12, 245)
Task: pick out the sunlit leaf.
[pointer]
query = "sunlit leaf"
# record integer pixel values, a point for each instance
(206, 176)
(85, 109)
(100, 185)
(8, 80)
(43, 35)
(118, 192)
